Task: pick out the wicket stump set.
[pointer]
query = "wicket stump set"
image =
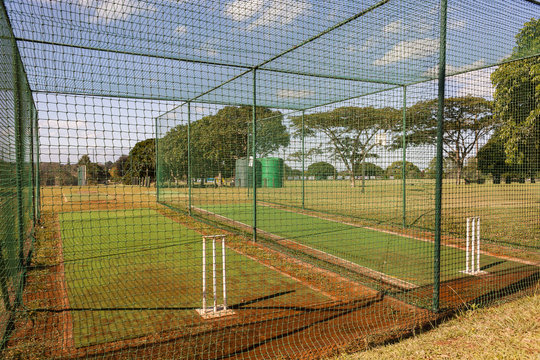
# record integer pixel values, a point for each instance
(216, 310)
(472, 256)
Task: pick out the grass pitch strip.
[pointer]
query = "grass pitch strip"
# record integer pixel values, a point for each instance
(401, 257)
(130, 273)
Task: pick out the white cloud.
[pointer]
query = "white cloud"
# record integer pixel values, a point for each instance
(181, 29)
(474, 83)
(110, 10)
(451, 69)
(456, 24)
(411, 49)
(294, 94)
(394, 27)
(368, 43)
(240, 10)
(281, 12)
(210, 48)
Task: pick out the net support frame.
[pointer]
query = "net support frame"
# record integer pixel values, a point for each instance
(439, 174)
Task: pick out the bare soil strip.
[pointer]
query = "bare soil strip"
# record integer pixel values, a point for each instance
(67, 319)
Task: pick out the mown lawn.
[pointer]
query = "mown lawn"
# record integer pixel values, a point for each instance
(135, 272)
(402, 257)
(509, 212)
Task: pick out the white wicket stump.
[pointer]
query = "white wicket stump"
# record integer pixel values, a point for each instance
(472, 248)
(215, 310)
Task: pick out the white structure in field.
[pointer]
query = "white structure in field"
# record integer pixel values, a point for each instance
(216, 310)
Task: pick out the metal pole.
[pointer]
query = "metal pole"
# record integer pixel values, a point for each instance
(303, 165)
(404, 146)
(224, 272)
(38, 192)
(18, 155)
(438, 182)
(189, 156)
(32, 169)
(254, 151)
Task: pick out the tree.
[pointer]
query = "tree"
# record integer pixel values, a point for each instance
(142, 159)
(95, 173)
(411, 171)
(492, 158)
(517, 100)
(217, 141)
(173, 154)
(350, 132)
(321, 170)
(370, 169)
(466, 120)
(52, 173)
(289, 171)
(119, 168)
(448, 168)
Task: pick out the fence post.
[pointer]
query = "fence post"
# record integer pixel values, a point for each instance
(254, 152)
(189, 155)
(38, 178)
(440, 133)
(19, 156)
(303, 164)
(404, 163)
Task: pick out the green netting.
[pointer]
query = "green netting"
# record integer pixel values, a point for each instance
(19, 154)
(360, 169)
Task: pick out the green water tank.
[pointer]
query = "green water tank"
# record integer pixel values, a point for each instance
(272, 172)
(243, 174)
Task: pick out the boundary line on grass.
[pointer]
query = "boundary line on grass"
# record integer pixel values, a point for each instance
(373, 274)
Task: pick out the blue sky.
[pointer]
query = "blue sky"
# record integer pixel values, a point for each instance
(397, 42)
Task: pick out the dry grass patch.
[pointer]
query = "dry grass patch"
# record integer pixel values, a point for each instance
(508, 331)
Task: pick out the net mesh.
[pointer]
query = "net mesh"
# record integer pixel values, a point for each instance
(307, 133)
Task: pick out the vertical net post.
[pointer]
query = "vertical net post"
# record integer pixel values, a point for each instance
(254, 152)
(439, 176)
(189, 156)
(38, 178)
(404, 162)
(19, 156)
(303, 164)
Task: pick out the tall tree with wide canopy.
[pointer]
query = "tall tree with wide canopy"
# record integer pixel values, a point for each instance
(467, 120)
(142, 159)
(350, 132)
(517, 100)
(217, 141)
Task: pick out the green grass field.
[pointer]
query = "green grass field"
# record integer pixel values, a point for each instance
(405, 258)
(131, 273)
(509, 212)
